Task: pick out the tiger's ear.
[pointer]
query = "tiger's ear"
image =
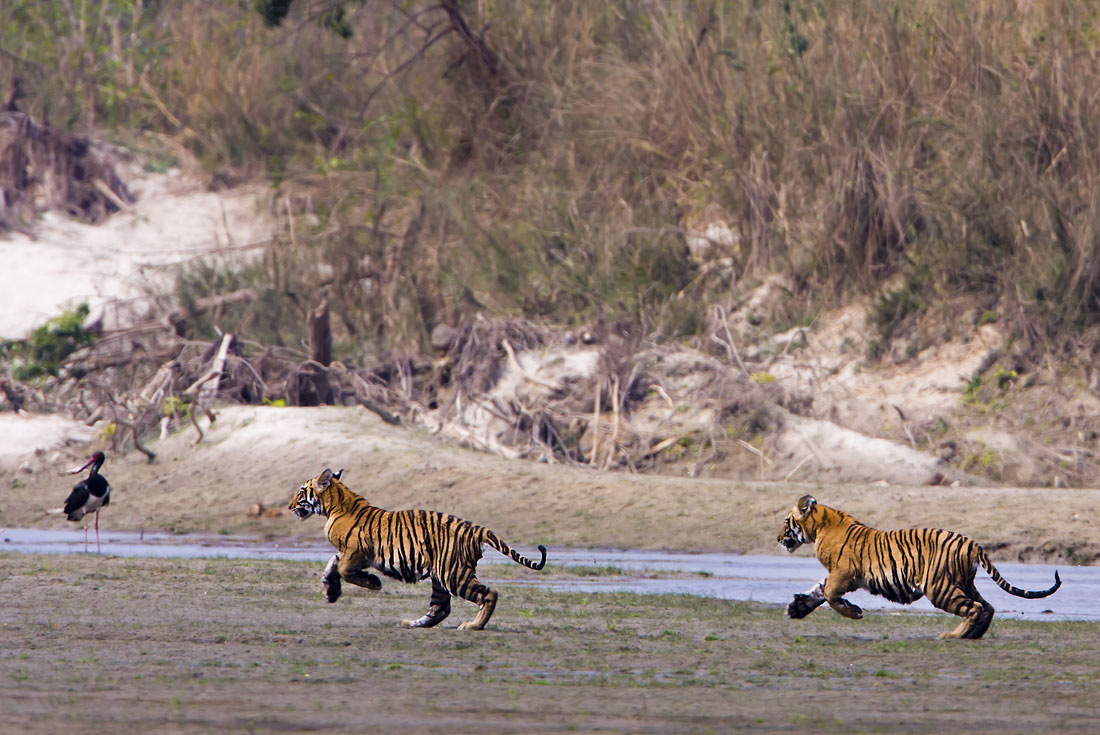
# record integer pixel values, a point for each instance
(324, 480)
(805, 505)
(337, 473)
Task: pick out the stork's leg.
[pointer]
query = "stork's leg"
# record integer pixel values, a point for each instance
(97, 532)
(85, 534)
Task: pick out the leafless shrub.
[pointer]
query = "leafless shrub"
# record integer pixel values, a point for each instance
(45, 169)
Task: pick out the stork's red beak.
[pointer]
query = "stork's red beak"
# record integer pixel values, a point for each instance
(78, 470)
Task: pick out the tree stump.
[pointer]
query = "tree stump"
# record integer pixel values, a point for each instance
(313, 386)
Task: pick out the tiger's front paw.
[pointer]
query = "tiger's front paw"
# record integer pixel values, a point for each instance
(802, 605)
(331, 587)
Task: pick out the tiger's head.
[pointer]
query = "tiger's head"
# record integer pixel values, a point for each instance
(798, 527)
(306, 501)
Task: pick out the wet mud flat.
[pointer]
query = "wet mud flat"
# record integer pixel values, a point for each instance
(110, 644)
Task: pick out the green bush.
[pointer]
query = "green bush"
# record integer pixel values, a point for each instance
(42, 352)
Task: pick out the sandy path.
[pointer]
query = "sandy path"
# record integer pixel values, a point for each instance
(67, 262)
(261, 454)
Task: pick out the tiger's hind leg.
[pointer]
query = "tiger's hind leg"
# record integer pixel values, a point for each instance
(982, 618)
(469, 588)
(975, 612)
(438, 609)
(487, 598)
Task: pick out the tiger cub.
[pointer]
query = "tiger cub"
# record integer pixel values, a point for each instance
(898, 565)
(408, 545)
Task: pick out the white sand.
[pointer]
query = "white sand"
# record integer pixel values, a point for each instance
(173, 220)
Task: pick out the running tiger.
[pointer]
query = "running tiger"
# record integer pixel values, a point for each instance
(408, 545)
(898, 565)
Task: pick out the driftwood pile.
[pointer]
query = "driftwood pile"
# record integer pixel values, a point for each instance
(144, 379)
(602, 396)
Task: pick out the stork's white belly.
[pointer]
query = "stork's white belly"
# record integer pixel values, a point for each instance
(95, 503)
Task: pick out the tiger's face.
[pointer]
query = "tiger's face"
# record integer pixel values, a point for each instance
(307, 501)
(794, 532)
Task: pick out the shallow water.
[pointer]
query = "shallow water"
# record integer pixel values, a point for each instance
(772, 579)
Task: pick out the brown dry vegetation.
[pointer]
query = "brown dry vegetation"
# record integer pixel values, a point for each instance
(43, 169)
(947, 145)
(554, 161)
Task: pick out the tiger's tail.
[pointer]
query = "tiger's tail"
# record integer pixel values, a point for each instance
(1010, 589)
(493, 540)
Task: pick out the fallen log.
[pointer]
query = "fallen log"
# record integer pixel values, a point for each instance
(178, 316)
(206, 387)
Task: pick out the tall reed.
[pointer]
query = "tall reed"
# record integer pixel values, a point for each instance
(948, 149)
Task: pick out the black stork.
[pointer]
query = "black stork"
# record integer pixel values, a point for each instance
(88, 496)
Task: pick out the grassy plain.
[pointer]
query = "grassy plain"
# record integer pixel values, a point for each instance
(102, 644)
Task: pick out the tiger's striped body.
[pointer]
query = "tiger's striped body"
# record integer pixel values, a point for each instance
(901, 566)
(407, 545)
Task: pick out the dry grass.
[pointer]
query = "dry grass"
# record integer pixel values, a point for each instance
(949, 148)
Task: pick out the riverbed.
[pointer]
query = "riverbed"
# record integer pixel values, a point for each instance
(757, 578)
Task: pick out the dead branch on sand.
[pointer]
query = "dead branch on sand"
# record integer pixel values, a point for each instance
(606, 399)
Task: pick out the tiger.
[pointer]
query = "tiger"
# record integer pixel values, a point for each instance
(901, 566)
(407, 545)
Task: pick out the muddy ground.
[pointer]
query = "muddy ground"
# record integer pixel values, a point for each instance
(257, 456)
(99, 644)
(95, 644)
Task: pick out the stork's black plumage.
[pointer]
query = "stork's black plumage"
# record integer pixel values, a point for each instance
(89, 495)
